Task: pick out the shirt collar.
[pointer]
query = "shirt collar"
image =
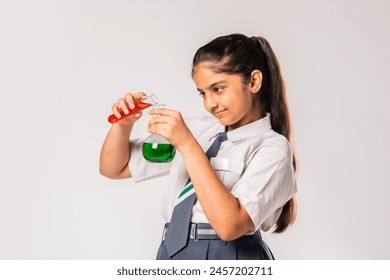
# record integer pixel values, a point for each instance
(253, 129)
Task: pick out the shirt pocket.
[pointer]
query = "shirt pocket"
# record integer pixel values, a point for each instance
(228, 170)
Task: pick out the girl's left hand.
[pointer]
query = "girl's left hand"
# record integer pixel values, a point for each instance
(170, 124)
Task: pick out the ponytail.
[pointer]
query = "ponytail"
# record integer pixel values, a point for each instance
(273, 100)
(239, 54)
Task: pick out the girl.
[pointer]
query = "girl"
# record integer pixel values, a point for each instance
(245, 182)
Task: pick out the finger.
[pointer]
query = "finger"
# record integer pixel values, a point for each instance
(115, 109)
(164, 130)
(130, 99)
(159, 129)
(161, 111)
(123, 105)
(139, 96)
(160, 119)
(138, 115)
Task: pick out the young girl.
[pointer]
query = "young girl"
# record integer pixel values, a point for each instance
(245, 182)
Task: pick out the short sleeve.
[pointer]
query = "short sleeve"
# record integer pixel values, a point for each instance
(140, 168)
(267, 183)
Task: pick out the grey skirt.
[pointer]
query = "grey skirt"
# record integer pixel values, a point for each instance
(211, 247)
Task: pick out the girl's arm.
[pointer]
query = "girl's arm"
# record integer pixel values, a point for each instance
(223, 210)
(115, 153)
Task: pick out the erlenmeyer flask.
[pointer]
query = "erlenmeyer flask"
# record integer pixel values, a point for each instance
(140, 105)
(158, 149)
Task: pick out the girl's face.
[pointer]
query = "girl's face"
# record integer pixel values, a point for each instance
(226, 97)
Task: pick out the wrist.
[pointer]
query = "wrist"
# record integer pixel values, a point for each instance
(189, 147)
(123, 128)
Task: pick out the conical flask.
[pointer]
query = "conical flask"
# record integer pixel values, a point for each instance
(156, 148)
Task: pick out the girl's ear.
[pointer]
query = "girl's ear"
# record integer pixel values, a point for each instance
(256, 80)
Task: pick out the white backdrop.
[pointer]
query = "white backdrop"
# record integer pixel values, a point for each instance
(63, 63)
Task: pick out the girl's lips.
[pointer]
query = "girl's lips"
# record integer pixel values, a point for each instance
(219, 113)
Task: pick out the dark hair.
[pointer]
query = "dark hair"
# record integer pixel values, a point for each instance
(241, 55)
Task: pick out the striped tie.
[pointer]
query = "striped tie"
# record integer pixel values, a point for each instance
(179, 226)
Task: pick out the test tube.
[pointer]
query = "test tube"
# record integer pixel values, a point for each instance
(140, 105)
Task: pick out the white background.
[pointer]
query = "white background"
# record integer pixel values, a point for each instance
(63, 64)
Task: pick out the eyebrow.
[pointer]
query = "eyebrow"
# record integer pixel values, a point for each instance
(213, 85)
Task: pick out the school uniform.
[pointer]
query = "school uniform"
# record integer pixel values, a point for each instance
(254, 164)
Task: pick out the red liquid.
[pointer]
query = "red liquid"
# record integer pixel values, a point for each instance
(138, 107)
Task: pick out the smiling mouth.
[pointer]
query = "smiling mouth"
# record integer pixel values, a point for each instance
(219, 113)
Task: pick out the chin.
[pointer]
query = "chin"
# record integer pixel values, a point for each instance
(225, 122)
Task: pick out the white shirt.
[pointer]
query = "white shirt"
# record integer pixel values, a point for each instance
(254, 164)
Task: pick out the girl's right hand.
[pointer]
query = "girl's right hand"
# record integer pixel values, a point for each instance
(128, 100)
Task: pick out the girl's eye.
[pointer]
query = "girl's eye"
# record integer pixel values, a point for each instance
(218, 89)
(201, 93)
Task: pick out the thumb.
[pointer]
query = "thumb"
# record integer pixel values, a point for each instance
(138, 115)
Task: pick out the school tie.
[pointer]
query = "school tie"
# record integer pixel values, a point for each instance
(179, 226)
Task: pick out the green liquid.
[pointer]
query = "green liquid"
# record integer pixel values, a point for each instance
(161, 153)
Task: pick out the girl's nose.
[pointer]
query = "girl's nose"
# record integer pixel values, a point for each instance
(210, 102)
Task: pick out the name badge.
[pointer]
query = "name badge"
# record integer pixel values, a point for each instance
(227, 164)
